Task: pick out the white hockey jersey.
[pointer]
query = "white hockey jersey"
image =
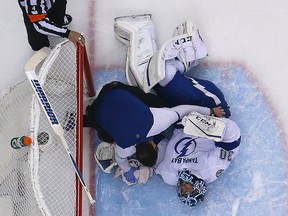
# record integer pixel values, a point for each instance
(162, 119)
(199, 155)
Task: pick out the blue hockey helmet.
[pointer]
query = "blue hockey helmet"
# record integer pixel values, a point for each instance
(190, 188)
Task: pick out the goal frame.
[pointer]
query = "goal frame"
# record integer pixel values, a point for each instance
(82, 70)
(39, 179)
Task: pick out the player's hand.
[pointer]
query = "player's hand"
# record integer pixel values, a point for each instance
(76, 37)
(129, 175)
(218, 112)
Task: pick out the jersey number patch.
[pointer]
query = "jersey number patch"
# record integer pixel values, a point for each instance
(226, 155)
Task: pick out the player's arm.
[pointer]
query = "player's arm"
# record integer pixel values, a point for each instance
(47, 27)
(183, 110)
(121, 156)
(122, 160)
(162, 145)
(164, 117)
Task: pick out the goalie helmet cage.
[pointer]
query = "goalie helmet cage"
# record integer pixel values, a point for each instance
(40, 179)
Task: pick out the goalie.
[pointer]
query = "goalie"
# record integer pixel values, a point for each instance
(133, 120)
(191, 162)
(163, 70)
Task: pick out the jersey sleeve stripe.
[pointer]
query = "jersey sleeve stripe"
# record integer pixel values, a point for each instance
(36, 17)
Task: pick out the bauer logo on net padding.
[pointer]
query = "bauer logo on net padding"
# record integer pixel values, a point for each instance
(45, 102)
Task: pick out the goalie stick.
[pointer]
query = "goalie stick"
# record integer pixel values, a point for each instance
(29, 68)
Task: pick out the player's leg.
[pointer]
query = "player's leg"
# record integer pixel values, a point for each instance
(146, 68)
(211, 95)
(186, 46)
(187, 90)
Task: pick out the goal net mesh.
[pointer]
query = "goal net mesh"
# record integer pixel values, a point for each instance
(40, 179)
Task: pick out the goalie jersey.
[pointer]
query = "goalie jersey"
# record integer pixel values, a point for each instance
(200, 155)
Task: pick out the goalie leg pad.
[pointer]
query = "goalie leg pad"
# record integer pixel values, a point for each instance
(156, 70)
(186, 45)
(126, 26)
(193, 47)
(138, 32)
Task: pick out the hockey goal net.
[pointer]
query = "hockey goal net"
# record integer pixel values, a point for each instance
(40, 179)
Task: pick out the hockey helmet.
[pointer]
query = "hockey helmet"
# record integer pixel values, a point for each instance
(194, 193)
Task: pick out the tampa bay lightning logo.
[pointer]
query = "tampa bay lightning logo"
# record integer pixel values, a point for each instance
(185, 147)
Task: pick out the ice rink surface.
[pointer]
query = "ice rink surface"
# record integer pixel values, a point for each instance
(248, 48)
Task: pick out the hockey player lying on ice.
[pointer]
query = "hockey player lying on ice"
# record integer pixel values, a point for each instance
(191, 162)
(132, 118)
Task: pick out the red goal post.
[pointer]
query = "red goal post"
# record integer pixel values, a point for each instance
(40, 179)
(83, 66)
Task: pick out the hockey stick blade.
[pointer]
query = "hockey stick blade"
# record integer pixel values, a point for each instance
(29, 68)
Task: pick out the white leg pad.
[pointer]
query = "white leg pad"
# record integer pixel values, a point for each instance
(138, 32)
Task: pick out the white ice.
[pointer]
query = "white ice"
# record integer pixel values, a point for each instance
(246, 40)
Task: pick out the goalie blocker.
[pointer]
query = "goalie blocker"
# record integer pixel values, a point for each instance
(145, 66)
(221, 130)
